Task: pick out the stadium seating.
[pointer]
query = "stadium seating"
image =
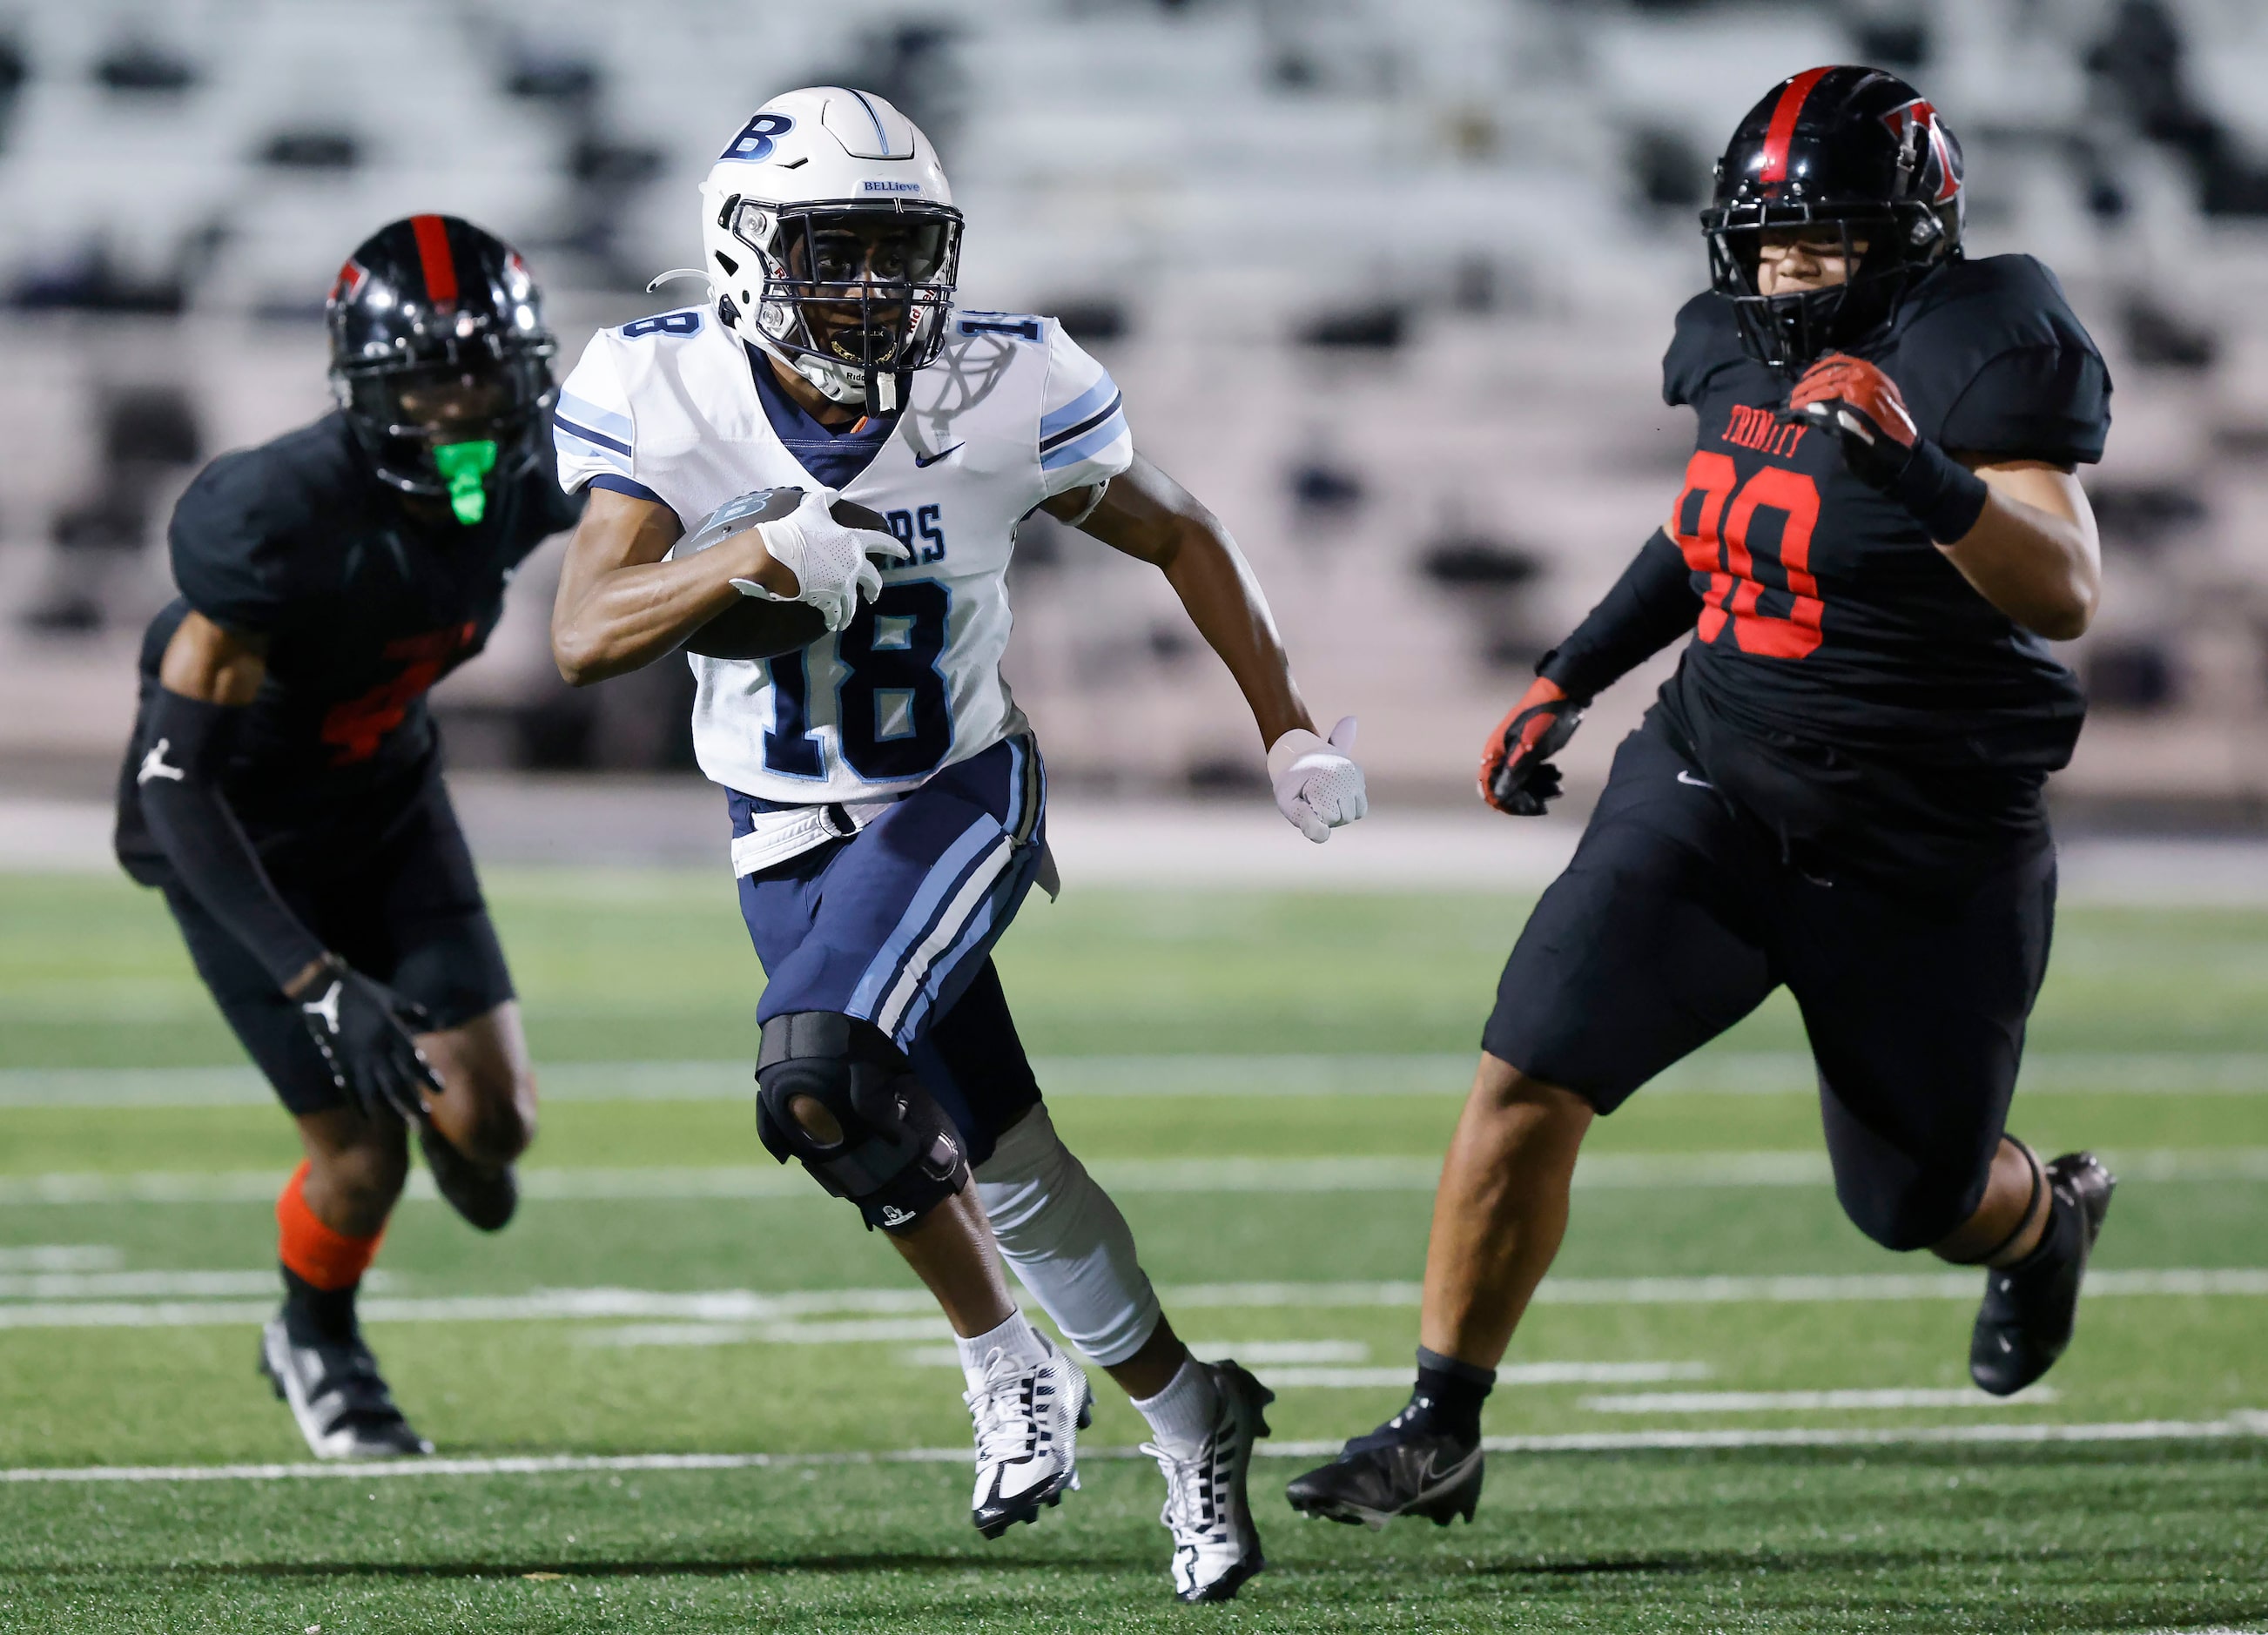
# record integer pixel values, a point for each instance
(1467, 179)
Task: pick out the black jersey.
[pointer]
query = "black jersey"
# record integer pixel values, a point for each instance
(364, 606)
(1844, 680)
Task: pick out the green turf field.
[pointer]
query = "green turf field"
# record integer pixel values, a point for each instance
(1728, 1411)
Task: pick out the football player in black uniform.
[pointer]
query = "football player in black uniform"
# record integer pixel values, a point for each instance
(1839, 790)
(284, 784)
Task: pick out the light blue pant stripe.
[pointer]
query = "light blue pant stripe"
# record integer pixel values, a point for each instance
(1011, 884)
(980, 926)
(937, 885)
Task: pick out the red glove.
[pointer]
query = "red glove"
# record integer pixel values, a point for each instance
(1517, 778)
(1860, 406)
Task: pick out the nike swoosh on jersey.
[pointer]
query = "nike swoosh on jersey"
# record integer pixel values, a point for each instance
(920, 461)
(1685, 777)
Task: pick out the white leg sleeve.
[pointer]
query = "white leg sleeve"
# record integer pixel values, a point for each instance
(1067, 1241)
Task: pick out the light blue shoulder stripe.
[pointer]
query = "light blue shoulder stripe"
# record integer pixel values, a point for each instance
(606, 420)
(570, 446)
(1086, 447)
(1087, 403)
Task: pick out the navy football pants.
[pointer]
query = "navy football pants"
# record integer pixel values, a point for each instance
(895, 925)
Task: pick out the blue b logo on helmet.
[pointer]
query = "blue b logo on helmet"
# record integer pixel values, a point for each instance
(754, 144)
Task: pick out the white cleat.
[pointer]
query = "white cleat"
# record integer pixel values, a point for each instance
(1029, 1414)
(1216, 1546)
(334, 1392)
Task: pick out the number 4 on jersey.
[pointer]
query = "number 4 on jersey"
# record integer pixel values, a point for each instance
(1717, 529)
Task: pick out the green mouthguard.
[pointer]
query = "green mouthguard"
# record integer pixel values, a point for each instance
(465, 468)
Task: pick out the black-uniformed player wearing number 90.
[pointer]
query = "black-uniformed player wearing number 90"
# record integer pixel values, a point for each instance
(283, 783)
(1839, 790)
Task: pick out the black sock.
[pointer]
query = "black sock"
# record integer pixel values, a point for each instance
(1448, 1395)
(2059, 1239)
(313, 1316)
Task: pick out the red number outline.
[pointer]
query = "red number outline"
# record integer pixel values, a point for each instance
(1719, 546)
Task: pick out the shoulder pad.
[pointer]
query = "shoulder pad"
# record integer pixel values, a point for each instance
(1029, 327)
(234, 528)
(685, 321)
(1982, 307)
(1991, 359)
(1706, 341)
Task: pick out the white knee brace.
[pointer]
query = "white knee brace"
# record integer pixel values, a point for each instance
(1068, 1242)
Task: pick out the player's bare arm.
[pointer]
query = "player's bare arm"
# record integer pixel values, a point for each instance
(2034, 553)
(1152, 518)
(2021, 531)
(621, 606)
(206, 661)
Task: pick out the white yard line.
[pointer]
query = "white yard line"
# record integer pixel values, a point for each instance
(1806, 1402)
(53, 1257)
(73, 1285)
(1603, 1171)
(2235, 1425)
(1511, 1373)
(755, 1312)
(1716, 1072)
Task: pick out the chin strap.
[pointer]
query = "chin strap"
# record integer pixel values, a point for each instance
(675, 273)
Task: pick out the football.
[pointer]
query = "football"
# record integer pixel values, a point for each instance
(753, 627)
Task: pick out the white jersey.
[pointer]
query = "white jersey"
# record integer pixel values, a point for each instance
(1011, 413)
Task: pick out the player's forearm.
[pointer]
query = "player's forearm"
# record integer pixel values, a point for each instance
(190, 818)
(1225, 602)
(1650, 606)
(609, 622)
(2042, 569)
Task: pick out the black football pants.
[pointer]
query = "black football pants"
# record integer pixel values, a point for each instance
(1678, 915)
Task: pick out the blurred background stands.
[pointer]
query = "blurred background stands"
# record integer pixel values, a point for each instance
(1385, 282)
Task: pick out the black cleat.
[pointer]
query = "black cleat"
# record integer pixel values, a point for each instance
(1396, 1470)
(2030, 1308)
(485, 1197)
(335, 1394)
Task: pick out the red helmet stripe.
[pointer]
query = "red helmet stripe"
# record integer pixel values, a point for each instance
(433, 257)
(1782, 130)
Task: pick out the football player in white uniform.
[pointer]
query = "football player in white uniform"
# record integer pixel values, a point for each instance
(887, 798)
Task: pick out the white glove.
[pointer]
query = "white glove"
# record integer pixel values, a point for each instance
(831, 561)
(1318, 786)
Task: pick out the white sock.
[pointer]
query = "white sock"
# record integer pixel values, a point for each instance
(1016, 1337)
(1181, 1415)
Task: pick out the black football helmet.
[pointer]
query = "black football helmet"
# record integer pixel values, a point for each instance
(440, 359)
(1850, 149)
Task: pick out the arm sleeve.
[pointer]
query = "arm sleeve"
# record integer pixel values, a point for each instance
(1084, 438)
(1650, 606)
(592, 428)
(190, 820)
(2033, 403)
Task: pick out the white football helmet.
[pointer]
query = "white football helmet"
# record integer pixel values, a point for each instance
(829, 235)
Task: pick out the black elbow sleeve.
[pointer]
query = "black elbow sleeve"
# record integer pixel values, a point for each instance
(185, 743)
(1650, 606)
